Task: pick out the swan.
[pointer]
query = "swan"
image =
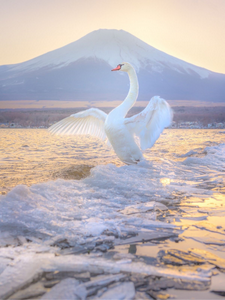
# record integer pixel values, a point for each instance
(118, 131)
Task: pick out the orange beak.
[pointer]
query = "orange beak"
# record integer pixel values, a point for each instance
(117, 68)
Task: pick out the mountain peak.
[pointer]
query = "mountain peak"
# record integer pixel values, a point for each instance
(112, 46)
(81, 71)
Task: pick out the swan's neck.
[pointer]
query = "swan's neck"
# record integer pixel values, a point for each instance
(131, 98)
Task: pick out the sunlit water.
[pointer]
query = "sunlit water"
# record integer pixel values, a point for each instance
(29, 156)
(77, 187)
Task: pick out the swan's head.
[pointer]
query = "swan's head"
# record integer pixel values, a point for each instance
(125, 67)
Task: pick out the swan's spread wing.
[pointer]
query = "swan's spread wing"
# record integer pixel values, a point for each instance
(149, 123)
(90, 121)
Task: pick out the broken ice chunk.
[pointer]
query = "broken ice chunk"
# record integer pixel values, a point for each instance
(4, 261)
(66, 289)
(208, 240)
(160, 295)
(142, 296)
(141, 208)
(103, 280)
(220, 293)
(9, 241)
(157, 284)
(119, 256)
(123, 291)
(145, 236)
(209, 257)
(179, 257)
(204, 225)
(32, 291)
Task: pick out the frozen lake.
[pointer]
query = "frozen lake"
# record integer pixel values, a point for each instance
(60, 194)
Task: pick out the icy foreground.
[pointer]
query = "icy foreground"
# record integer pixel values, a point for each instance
(56, 232)
(28, 268)
(112, 201)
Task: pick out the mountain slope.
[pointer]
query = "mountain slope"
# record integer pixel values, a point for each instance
(81, 71)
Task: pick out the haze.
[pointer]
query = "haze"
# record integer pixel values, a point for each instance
(193, 30)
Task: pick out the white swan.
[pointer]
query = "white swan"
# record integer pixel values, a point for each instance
(118, 130)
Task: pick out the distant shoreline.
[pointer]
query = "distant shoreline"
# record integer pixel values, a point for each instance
(205, 115)
(189, 128)
(56, 104)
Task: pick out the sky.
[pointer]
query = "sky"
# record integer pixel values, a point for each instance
(192, 30)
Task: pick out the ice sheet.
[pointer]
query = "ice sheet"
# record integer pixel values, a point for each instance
(112, 199)
(26, 268)
(113, 206)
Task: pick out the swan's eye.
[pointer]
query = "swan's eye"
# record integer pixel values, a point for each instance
(120, 65)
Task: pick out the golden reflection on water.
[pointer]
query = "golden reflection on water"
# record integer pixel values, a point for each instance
(165, 181)
(29, 156)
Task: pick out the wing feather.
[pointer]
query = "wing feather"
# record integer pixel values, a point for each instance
(77, 129)
(57, 126)
(90, 121)
(149, 124)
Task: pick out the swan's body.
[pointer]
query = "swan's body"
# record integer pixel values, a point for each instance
(119, 130)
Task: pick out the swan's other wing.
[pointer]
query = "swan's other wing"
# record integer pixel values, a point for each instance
(90, 121)
(149, 123)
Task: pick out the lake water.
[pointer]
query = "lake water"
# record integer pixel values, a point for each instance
(78, 188)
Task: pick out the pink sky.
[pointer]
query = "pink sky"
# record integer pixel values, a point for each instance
(193, 30)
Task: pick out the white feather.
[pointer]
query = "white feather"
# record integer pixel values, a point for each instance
(90, 121)
(149, 124)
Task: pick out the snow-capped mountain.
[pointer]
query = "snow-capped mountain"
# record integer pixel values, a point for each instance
(81, 71)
